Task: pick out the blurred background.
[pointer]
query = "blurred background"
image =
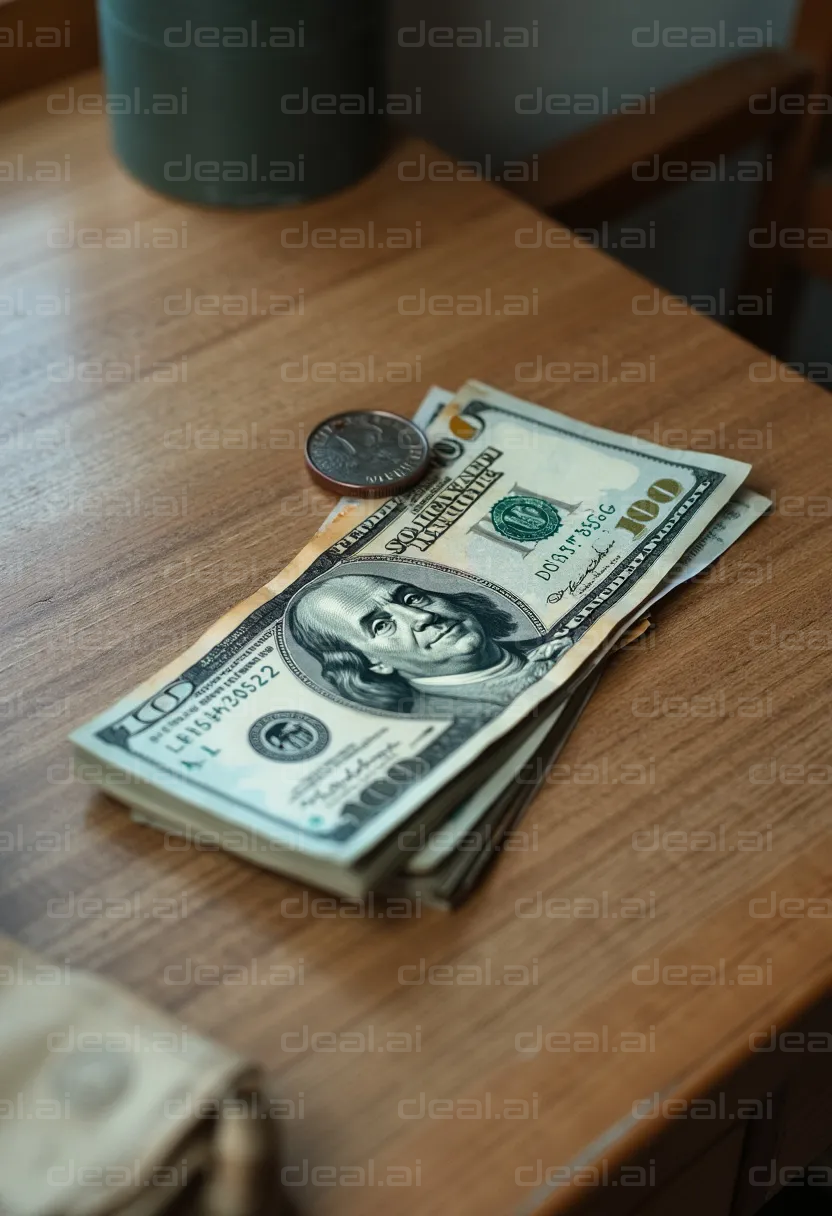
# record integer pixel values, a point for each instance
(569, 68)
(469, 107)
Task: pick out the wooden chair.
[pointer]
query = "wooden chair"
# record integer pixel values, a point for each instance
(589, 177)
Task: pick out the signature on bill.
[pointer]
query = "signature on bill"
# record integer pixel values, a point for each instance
(574, 583)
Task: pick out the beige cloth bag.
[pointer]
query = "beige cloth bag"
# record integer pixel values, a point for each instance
(110, 1106)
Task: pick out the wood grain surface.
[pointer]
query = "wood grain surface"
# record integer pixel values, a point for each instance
(136, 510)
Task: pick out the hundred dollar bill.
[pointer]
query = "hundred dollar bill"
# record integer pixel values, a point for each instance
(351, 694)
(458, 853)
(462, 826)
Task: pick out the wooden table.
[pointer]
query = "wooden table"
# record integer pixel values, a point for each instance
(152, 475)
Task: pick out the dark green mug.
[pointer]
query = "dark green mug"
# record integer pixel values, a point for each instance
(245, 102)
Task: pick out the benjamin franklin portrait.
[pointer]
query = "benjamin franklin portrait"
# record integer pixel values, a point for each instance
(391, 644)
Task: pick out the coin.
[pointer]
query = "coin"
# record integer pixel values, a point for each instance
(369, 453)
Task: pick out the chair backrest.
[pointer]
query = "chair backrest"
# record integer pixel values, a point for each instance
(592, 176)
(589, 177)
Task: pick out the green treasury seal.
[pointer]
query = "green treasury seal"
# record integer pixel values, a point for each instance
(521, 517)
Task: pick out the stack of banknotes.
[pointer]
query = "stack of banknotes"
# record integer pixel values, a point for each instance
(379, 716)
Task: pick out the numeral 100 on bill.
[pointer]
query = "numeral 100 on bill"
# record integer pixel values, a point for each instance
(639, 515)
